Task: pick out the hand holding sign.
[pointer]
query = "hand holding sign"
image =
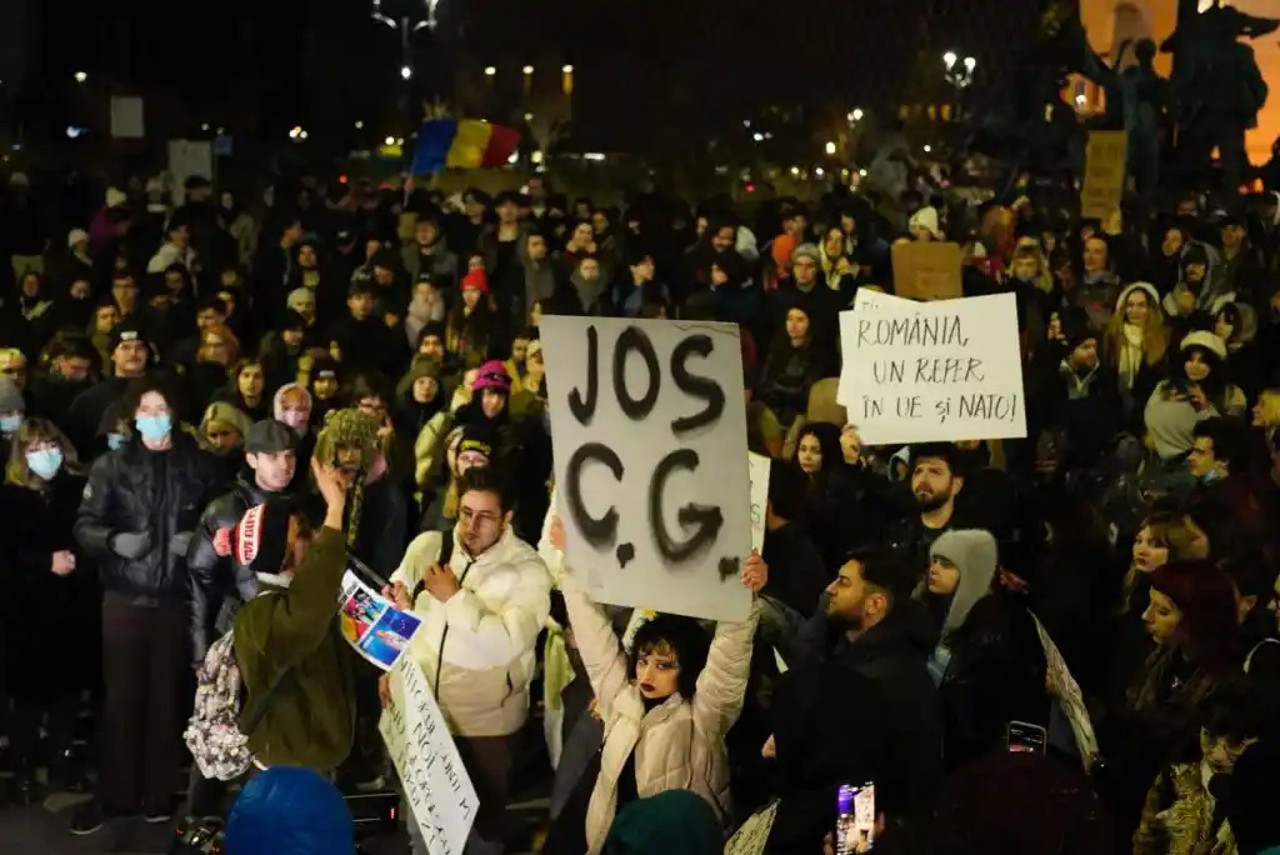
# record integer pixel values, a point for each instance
(755, 573)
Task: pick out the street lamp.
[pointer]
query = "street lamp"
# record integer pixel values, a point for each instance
(490, 71)
(405, 72)
(80, 77)
(566, 69)
(858, 114)
(359, 125)
(959, 73)
(528, 69)
(831, 147)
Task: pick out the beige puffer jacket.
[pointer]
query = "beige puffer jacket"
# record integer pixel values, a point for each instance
(678, 745)
(482, 640)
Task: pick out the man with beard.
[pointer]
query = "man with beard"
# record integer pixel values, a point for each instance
(71, 363)
(936, 481)
(868, 624)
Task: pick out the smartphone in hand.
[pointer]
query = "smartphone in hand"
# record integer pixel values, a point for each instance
(855, 818)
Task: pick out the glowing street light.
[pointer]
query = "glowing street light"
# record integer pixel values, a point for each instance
(566, 69)
(528, 69)
(858, 114)
(830, 147)
(405, 72)
(949, 59)
(490, 71)
(390, 141)
(359, 125)
(819, 172)
(928, 149)
(80, 76)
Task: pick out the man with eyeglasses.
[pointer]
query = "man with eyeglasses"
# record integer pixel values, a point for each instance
(482, 608)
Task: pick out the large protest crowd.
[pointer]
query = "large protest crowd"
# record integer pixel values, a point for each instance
(211, 410)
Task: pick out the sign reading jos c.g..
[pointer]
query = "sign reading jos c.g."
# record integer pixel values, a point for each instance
(650, 438)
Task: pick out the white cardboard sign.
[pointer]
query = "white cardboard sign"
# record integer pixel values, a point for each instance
(436, 785)
(932, 372)
(650, 440)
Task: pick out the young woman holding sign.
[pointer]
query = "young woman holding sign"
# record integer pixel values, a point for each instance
(666, 705)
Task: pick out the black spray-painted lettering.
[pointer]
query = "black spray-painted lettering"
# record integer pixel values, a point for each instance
(634, 339)
(584, 411)
(699, 387)
(599, 531)
(708, 519)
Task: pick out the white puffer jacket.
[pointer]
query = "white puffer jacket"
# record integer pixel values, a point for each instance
(482, 640)
(678, 745)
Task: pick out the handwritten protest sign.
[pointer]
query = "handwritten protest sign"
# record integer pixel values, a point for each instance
(927, 270)
(371, 624)
(650, 440)
(759, 469)
(1104, 174)
(436, 786)
(932, 372)
(753, 836)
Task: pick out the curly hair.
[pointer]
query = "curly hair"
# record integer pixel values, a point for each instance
(684, 637)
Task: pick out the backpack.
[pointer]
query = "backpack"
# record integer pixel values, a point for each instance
(213, 735)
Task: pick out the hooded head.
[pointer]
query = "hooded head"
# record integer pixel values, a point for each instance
(12, 407)
(292, 406)
(962, 565)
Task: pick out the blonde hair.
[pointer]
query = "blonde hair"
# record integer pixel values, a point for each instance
(1269, 402)
(228, 338)
(33, 430)
(1155, 335)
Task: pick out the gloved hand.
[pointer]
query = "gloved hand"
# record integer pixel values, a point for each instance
(179, 543)
(130, 544)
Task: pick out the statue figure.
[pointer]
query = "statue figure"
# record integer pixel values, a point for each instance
(1141, 98)
(1217, 84)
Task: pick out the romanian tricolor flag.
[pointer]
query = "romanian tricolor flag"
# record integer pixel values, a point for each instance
(462, 144)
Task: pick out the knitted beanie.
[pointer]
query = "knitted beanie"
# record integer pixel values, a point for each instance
(260, 539)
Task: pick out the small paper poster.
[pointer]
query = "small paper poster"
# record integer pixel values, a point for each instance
(372, 625)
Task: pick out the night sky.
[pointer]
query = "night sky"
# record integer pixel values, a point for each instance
(644, 69)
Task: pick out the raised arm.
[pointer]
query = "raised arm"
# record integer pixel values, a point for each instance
(722, 684)
(598, 644)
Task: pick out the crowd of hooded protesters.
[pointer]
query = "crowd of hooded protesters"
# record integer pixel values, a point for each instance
(208, 411)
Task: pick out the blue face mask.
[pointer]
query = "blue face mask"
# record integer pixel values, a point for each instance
(10, 424)
(45, 463)
(115, 441)
(154, 428)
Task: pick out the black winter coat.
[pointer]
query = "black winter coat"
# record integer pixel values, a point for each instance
(996, 675)
(33, 526)
(160, 493)
(219, 585)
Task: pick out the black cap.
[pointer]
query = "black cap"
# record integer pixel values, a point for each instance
(270, 437)
(126, 330)
(1195, 253)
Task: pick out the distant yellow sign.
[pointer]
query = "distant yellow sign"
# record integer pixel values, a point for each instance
(926, 270)
(1104, 174)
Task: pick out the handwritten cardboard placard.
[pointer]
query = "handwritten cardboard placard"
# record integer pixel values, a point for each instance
(932, 372)
(436, 785)
(753, 836)
(927, 270)
(759, 469)
(650, 437)
(1104, 174)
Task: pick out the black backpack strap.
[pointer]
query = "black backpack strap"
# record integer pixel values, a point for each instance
(446, 553)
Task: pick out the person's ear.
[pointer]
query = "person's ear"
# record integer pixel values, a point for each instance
(957, 484)
(507, 517)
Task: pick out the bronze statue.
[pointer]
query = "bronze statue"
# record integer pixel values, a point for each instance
(1217, 85)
